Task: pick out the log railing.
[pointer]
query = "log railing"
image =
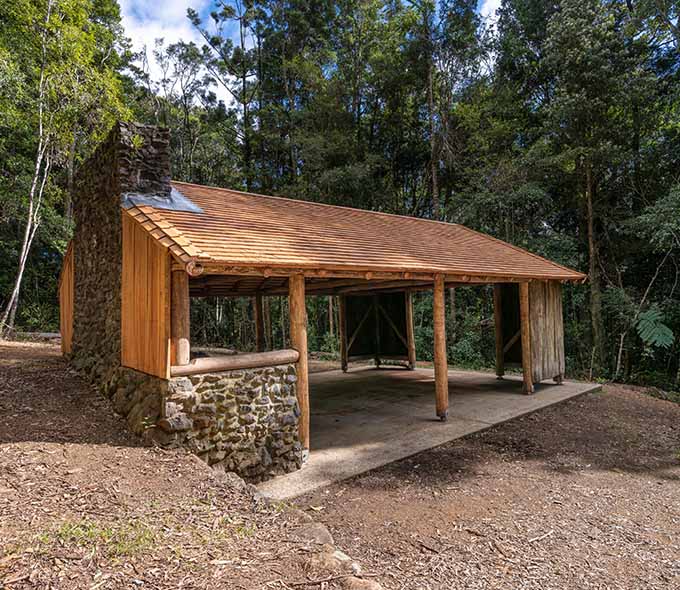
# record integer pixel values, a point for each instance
(254, 360)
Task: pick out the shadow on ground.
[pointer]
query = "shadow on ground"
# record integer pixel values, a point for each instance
(43, 400)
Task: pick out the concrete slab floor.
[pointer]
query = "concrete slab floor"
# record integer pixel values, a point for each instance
(369, 417)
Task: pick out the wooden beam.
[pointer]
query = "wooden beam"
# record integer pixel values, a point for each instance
(207, 267)
(392, 325)
(498, 324)
(360, 325)
(251, 360)
(298, 340)
(525, 327)
(410, 334)
(342, 331)
(510, 343)
(179, 321)
(259, 322)
(441, 374)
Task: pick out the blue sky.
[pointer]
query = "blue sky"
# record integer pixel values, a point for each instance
(147, 20)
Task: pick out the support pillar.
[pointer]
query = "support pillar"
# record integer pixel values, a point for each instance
(298, 340)
(180, 347)
(410, 335)
(498, 323)
(441, 373)
(525, 330)
(376, 311)
(342, 331)
(259, 322)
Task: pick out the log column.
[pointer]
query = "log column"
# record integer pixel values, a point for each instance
(298, 340)
(259, 322)
(498, 323)
(376, 312)
(441, 373)
(525, 329)
(410, 336)
(179, 319)
(342, 331)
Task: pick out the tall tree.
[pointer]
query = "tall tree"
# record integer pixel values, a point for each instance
(64, 81)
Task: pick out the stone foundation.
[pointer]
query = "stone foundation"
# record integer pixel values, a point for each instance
(245, 421)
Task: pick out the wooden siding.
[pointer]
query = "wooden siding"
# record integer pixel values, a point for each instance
(376, 326)
(66, 293)
(145, 307)
(547, 330)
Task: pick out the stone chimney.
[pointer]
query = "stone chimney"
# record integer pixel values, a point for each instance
(143, 154)
(133, 163)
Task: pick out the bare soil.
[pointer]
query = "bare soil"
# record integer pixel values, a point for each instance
(83, 504)
(585, 494)
(581, 495)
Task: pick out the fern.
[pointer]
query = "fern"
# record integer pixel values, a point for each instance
(652, 330)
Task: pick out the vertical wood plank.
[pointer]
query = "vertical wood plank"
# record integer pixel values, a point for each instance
(342, 331)
(180, 318)
(410, 333)
(525, 328)
(498, 324)
(66, 296)
(259, 322)
(145, 302)
(441, 375)
(298, 339)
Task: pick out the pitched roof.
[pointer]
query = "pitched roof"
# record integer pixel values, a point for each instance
(246, 230)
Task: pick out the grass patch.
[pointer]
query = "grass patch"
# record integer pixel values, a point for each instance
(125, 540)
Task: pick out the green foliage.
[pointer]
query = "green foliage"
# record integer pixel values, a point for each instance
(365, 103)
(652, 329)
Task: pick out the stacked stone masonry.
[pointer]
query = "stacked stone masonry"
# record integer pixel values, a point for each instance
(134, 158)
(245, 421)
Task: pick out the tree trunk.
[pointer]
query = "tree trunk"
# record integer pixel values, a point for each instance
(331, 317)
(452, 314)
(433, 140)
(41, 168)
(594, 276)
(70, 180)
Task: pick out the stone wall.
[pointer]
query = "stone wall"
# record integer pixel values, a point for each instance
(244, 421)
(134, 158)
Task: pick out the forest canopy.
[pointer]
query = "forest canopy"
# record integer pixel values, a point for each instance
(556, 127)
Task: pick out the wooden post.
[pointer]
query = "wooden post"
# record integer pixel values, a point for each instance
(525, 328)
(298, 340)
(179, 320)
(410, 336)
(342, 331)
(441, 373)
(259, 322)
(376, 310)
(498, 323)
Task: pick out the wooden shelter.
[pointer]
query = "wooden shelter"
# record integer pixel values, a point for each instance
(238, 244)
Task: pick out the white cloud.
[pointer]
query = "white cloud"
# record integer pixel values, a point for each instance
(148, 20)
(488, 9)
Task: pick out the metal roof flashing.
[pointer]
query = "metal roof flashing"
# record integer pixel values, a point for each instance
(175, 201)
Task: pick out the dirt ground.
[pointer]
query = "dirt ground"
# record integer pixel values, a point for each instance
(585, 494)
(581, 495)
(83, 504)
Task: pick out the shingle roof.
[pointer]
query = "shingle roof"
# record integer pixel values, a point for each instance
(247, 230)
